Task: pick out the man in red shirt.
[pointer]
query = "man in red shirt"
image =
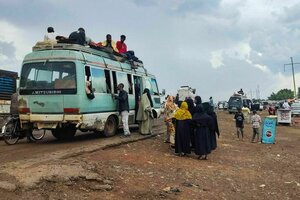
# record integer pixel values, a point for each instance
(121, 46)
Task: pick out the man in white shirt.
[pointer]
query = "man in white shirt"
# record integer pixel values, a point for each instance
(286, 105)
(50, 36)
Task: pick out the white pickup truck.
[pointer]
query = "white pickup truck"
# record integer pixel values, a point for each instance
(295, 107)
(186, 91)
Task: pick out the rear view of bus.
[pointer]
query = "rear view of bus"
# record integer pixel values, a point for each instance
(45, 88)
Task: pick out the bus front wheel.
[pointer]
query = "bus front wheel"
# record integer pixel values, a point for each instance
(64, 133)
(111, 126)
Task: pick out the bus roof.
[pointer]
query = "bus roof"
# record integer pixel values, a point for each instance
(100, 51)
(46, 51)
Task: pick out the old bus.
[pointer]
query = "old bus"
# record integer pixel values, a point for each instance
(52, 89)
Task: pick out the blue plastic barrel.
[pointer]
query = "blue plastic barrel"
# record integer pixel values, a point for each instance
(269, 130)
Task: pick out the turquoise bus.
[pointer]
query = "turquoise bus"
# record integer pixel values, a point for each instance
(52, 89)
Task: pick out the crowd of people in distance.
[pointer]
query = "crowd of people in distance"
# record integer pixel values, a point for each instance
(272, 107)
(192, 126)
(79, 37)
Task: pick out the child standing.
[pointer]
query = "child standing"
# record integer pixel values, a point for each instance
(255, 121)
(239, 122)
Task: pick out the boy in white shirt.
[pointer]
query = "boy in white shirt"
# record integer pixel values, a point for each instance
(255, 121)
(50, 35)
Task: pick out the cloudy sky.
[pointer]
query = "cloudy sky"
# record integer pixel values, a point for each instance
(215, 46)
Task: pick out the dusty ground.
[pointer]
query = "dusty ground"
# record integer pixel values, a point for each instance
(90, 167)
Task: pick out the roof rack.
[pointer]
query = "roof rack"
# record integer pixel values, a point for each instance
(100, 51)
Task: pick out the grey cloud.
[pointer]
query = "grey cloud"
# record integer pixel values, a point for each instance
(276, 45)
(145, 2)
(198, 6)
(31, 13)
(8, 49)
(173, 38)
(290, 14)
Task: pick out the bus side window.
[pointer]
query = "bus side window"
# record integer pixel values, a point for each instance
(108, 82)
(115, 82)
(87, 73)
(154, 87)
(88, 83)
(129, 79)
(137, 85)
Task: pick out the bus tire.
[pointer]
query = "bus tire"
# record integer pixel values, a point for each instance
(29, 136)
(38, 135)
(110, 127)
(64, 133)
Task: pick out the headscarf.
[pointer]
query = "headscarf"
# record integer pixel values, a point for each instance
(198, 100)
(207, 107)
(147, 91)
(191, 106)
(170, 103)
(199, 109)
(183, 113)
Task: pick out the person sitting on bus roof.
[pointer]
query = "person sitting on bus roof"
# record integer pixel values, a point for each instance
(89, 41)
(50, 36)
(122, 48)
(241, 92)
(78, 37)
(109, 43)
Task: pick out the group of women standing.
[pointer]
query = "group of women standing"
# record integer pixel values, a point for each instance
(192, 126)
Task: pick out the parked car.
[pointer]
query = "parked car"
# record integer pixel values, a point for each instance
(265, 105)
(257, 106)
(295, 107)
(222, 105)
(225, 105)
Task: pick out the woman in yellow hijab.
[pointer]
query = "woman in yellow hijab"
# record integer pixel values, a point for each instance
(182, 130)
(183, 113)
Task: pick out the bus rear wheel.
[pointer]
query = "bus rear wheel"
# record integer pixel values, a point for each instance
(110, 127)
(64, 133)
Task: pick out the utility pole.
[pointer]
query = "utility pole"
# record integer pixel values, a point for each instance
(257, 92)
(250, 94)
(292, 63)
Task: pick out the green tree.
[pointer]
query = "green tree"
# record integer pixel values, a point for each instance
(282, 94)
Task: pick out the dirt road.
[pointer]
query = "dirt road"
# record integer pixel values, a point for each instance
(91, 167)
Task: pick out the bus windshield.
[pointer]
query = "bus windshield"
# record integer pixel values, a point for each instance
(235, 101)
(54, 77)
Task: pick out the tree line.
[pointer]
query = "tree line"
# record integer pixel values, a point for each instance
(282, 94)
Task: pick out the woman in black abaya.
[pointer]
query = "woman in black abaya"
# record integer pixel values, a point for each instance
(203, 124)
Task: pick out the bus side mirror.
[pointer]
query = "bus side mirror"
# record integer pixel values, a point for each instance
(194, 91)
(163, 92)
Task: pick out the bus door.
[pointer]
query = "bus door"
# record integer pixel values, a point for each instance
(137, 80)
(126, 79)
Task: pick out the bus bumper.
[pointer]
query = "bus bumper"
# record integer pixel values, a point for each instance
(49, 121)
